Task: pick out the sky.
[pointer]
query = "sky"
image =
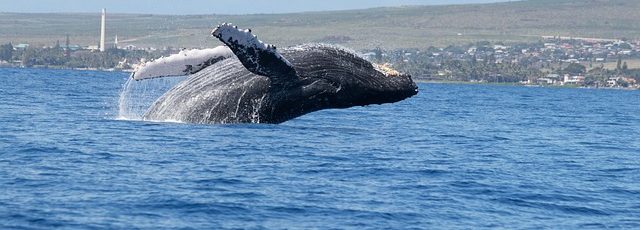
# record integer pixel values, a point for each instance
(209, 6)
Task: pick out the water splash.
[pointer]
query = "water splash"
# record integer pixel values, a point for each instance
(137, 96)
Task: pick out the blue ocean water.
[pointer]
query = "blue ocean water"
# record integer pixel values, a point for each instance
(454, 156)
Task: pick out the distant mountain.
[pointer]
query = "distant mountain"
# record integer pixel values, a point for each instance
(389, 27)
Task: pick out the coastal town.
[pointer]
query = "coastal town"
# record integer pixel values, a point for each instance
(551, 61)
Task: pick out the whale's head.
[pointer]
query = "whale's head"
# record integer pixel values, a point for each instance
(345, 79)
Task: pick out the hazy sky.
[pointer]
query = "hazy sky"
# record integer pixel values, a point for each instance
(209, 6)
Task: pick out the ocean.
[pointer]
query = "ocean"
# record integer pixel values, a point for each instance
(454, 156)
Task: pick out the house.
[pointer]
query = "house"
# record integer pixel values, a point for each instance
(21, 46)
(629, 80)
(500, 49)
(472, 50)
(571, 60)
(130, 47)
(545, 81)
(613, 81)
(553, 76)
(72, 47)
(573, 80)
(625, 52)
(620, 81)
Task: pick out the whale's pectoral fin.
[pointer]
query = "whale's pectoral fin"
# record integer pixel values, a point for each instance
(184, 63)
(256, 56)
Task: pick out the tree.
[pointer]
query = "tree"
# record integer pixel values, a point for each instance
(575, 68)
(625, 46)
(6, 52)
(67, 50)
(454, 49)
(623, 83)
(619, 64)
(28, 57)
(624, 66)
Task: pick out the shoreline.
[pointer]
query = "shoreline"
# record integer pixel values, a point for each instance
(67, 68)
(417, 81)
(523, 85)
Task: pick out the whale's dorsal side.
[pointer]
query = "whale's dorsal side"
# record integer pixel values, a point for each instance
(258, 57)
(186, 62)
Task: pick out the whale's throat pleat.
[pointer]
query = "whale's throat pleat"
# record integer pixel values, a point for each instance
(258, 57)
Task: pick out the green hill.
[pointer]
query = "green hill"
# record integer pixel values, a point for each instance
(393, 27)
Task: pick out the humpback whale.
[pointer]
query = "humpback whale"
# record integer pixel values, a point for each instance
(249, 81)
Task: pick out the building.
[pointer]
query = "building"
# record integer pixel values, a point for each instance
(613, 81)
(22, 46)
(103, 28)
(72, 47)
(573, 80)
(545, 81)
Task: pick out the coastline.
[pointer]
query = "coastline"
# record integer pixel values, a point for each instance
(67, 68)
(523, 85)
(416, 80)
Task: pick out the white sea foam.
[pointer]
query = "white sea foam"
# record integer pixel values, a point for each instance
(137, 96)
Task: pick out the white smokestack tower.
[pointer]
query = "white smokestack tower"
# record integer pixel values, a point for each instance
(103, 29)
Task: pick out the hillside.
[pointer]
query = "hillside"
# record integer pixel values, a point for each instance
(390, 28)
